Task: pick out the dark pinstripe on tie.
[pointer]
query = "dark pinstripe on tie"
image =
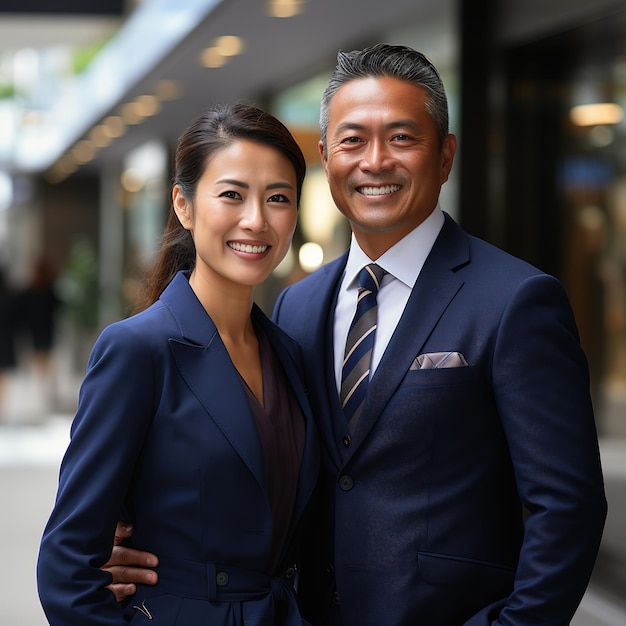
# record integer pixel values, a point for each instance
(359, 345)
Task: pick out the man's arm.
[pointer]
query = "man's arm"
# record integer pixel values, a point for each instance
(129, 567)
(541, 388)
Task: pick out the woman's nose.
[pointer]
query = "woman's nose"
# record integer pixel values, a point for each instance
(253, 217)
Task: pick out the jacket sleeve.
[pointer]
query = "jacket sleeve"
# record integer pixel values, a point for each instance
(541, 388)
(115, 408)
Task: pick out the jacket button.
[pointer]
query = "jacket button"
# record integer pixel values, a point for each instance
(290, 572)
(221, 579)
(346, 483)
(346, 440)
(335, 598)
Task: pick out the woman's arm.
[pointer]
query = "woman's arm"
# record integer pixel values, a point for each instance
(117, 396)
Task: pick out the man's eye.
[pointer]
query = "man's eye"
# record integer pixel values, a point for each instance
(351, 140)
(401, 138)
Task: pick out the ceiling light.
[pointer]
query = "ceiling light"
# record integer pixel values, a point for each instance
(229, 45)
(100, 136)
(212, 58)
(596, 114)
(144, 106)
(66, 166)
(285, 8)
(130, 113)
(168, 89)
(223, 47)
(115, 126)
(147, 105)
(84, 151)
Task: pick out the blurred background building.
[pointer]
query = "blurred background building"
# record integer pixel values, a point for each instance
(94, 94)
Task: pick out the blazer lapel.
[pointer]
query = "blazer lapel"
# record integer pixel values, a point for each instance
(436, 286)
(199, 355)
(317, 346)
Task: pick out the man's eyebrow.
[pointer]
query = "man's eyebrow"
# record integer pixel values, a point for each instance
(405, 123)
(347, 126)
(401, 123)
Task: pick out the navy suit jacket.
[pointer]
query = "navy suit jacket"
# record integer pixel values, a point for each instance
(468, 495)
(164, 429)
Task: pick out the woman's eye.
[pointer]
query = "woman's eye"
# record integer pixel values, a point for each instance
(233, 195)
(278, 197)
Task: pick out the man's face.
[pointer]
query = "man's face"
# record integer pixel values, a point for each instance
(384, 162)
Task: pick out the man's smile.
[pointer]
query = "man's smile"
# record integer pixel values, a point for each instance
(378, 191)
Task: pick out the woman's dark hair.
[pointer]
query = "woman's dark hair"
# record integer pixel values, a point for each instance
(217, 128)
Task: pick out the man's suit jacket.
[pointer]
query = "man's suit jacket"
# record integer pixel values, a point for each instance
(423, 504)
(164, 428)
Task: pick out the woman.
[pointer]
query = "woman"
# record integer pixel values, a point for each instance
(219, 455)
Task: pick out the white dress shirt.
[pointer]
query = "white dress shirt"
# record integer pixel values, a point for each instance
(403, 263)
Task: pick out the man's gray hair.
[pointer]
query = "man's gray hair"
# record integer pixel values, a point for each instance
(383, 60)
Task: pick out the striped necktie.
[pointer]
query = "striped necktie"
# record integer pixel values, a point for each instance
(355, 372)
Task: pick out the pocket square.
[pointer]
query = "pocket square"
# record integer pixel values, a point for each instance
(438, 360)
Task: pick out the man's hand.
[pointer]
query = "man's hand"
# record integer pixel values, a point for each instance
(128, 566)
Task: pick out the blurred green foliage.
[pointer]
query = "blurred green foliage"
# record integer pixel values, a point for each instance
(78, 284)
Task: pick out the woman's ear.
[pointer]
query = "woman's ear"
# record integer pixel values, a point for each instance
(182, 208)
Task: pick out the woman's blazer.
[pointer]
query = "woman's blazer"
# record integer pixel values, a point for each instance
(165, 433)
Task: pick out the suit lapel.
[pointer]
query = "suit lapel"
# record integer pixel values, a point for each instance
(436, 286)
(198, 355)
(317, 346)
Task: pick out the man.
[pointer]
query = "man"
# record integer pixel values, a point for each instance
(466, 488)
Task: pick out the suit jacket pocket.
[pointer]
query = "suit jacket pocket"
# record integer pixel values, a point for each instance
(440, 569)
(438, 360)
(439, 377)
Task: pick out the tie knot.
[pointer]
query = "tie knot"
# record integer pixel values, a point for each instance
(370, 277)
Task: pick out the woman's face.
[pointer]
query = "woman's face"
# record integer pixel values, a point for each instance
(244, 213)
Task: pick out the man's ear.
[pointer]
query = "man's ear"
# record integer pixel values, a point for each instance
(182, 208)
(323, 157)
(447, 156)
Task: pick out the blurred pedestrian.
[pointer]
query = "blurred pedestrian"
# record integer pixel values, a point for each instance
(8, 331)
(40, 304)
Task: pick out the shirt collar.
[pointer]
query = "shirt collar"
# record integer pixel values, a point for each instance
(405, 259)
